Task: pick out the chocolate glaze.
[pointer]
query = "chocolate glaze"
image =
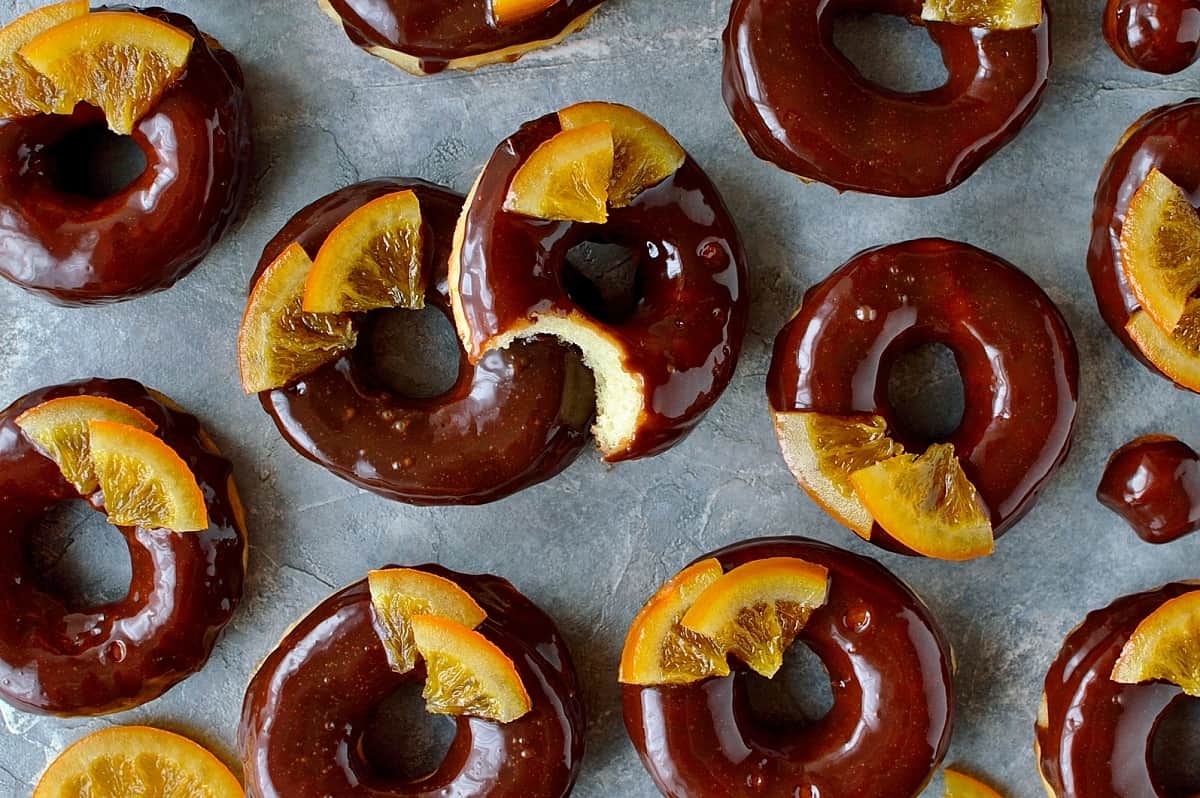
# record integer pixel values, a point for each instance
(76, 250)
(1153, 482)
(805, 107)
(1155, 35)
(893, 699)
(309, 706)
(1014, 351)
(516, 418)
(685, 334)
(1167, 139)
(1094, 736)
(60, 659)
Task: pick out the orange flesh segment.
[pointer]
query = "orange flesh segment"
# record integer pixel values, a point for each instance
(119, 61)
(756, 610)
(371, 260)
(1160, 251)
(397, 594)
(145, 483)
(928, 504)
(1165, 646)
(24, 92)
(658, 649)
(1177, 356)
(990, 14)
(567, 177)
(960, 785)
(467, 674)
(509, 12)
(127, 761)
(59, 427)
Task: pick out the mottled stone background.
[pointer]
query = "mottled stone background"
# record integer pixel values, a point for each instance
(590, 545)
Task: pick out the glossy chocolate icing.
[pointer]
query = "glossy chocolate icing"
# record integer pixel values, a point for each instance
(77, 250)
(309, 706)
(890, 669)
(516, 418)
(1014, 351)
(685, 334)
(805, 107)
(1153, 482)
(1094, 736)
(1155, 35)
(60, 659)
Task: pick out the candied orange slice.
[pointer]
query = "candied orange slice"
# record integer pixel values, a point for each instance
(927, 503)
(128, 761)
(644, 153)
(960, 785)
(59, 427)
(509, 12)
(1165, 646)
(822, 452)
(24, 92)
(658, 649)
(280, 343)
(1178, 355)
(991, 14)
(118, 61)
(371, 260)
(567, 177)
(756, 610)
(398, 594)
(145, 482)
(467, 674)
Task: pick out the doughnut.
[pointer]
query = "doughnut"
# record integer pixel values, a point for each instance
(310, 703)
(1153, 482)
(1160, 36)
(658, 367)
(511, 420)
(426, 38)
(74, 249)
(891, 671)
(803, 106)
(61, 659)
(1015, 355)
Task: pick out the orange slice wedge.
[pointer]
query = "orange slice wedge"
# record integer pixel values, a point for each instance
(24, 92)
(280, 343)
(1178, 355)
(990, 14)
(371, 260)
(1165, 646)
(1160, 250)
(118, 61)
(145, 482)
(927, 503)
(658, 649)
(822, 452)
(398, 594)
(960, 785)
(644, 152)
(59, 427)
(467, 674)
(756, 610)
(127, 761)
(510, 12)
(567, 177)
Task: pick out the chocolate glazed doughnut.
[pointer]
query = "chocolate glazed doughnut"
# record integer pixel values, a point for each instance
(891, 671)
(1094, 735)
(310, 702)
(516, 418)
(64, 660)
(1153, 482)
(803, 106)
(1160, 36)
(76, 250)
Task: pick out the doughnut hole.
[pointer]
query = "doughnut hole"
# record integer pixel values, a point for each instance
(925, 392)
(80, 556)
(1175, 750)
(402, 742)
(890, 52)
(604, 281)
(413, 353)
(800, 694)
(94, 163)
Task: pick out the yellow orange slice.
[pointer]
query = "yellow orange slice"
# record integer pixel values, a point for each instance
(960, 785)
(644, 152)
(1165, 646)
(23, 91)
(371, 260)
(991, 14)
(280, 343)
(397, 594)
(118, 61)
(756, 610)
(510, 12)
(658, 649)
(145, 482)
(927, 503)
(822, 452)
(567, 177)
(59, 427)
(129, 761)
(467, 674)
(1160, 250)
(1177, 356)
